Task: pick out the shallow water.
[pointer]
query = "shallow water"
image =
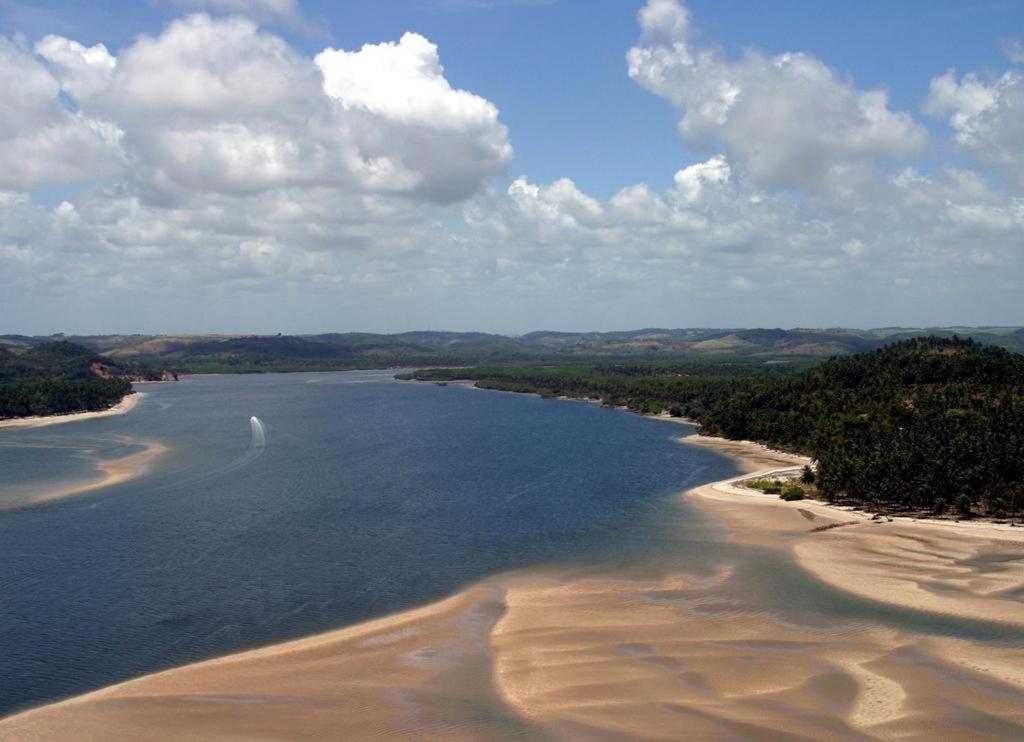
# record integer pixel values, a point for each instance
(369, 496)
(353, 497)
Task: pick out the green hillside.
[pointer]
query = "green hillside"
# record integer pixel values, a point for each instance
(61, 377)
(339, 351)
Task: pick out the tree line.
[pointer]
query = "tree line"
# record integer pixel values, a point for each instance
(926, 424)
(61, 377)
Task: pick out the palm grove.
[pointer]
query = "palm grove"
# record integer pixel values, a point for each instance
(927, 424)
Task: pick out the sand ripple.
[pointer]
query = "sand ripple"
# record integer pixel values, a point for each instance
(534, 655)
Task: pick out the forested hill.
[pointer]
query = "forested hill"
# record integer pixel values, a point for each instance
(61, 377)
(926, 424)
(351, 350)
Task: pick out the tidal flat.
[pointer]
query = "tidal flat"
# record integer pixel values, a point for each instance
(408, 559)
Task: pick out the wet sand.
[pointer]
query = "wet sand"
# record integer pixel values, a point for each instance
(114, 471)
(563, 655)
(676, 660)
(970, 570)
(418, 672)
(121, 408)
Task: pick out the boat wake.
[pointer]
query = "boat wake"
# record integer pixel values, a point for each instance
(257, 446)
(259, 434)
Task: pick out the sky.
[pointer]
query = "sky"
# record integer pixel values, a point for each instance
(268, 166)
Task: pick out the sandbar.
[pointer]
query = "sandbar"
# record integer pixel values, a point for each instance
(565, 655)
(969, 570)
(114, 471)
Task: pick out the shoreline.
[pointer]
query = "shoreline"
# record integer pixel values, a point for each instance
(741, 452)
(121, 408)
(608, 655)
(751, 455)
(967, 570)
(112, 472)
(115, 471)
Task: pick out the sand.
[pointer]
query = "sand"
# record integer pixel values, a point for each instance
(111, 471)
(386, 678)
(562, 655)
(121, 408)
(612, 659)
(114, 471)
(970, 570)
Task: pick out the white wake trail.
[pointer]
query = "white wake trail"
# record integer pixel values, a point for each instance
(259, 434)
(257, 445)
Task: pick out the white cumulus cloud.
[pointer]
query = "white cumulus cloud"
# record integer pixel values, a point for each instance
(449, 138)
(360, 187)
(285, 13)
(987, 118)
(218, 105)
(83, 71)
(691, 180)
(786, 118)
(42, 142)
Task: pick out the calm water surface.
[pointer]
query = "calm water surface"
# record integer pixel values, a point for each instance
(368, 496)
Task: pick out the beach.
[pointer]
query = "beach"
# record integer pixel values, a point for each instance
(971, 570)
(112, 471)
(121, 408)
(567, 655)
(385, 678)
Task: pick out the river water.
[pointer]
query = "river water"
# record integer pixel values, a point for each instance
(349, 496)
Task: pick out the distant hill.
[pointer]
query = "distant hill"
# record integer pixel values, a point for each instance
(59, 377)
(254, 353)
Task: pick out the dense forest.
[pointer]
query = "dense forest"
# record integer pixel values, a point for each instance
(925, 424)
(360, 350)
(61, 377)
(930, 423)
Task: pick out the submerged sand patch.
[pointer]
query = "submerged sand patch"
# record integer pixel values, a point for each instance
(594, 659)
(109, 472)
(534, 656)
(112, 471)
(415, 673)
(554, 654)
(973, 571)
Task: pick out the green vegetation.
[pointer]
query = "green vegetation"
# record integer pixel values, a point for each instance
(682, 389)
(913, 426)
(807, 476)
(355, 350)
(929, 424)
(768, 486)
(793, 492)
(61, 377)
(788, 490)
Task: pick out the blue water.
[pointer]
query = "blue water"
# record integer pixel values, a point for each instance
(367, 496)
(370, 496)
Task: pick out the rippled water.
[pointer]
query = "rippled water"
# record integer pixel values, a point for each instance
(368, 496)
(350, 496)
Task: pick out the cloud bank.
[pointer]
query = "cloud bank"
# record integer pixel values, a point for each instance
(224, 180)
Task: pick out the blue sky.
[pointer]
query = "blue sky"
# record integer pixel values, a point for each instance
(897, 210)
(556, 70)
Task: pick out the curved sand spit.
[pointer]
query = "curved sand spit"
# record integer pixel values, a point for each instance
(114, 471)
(558, 655)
